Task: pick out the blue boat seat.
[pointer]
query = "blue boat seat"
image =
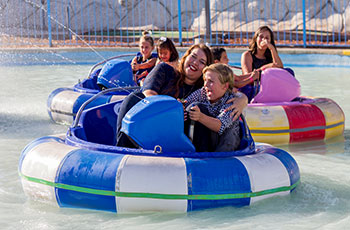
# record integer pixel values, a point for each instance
(91, 81)
(116, 73)
(157, 122)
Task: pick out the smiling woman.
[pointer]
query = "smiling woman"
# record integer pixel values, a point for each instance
(165, 80)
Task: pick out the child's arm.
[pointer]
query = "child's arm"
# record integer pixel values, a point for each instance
(142, 75)
(148, 64)
(245, 79)
(211, 123)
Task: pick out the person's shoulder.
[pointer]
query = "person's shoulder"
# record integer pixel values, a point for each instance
(166, 67)
(198, 94)
(162, 71)
(175, 64)
(247, 54)
(246, 58)
(154, 55)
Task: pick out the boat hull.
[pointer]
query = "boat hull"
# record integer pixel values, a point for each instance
(64, 103)
(311, 119)
(67, 176)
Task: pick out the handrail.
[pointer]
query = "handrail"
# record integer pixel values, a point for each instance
(82, 107)
(106, 60)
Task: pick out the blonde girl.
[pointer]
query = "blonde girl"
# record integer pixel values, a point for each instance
(144, 62)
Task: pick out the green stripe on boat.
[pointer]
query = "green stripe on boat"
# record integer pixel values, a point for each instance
(158, 195)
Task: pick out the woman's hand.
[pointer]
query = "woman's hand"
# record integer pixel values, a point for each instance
(255, 74)
(265, 42)
(239, 104)
(183, 102)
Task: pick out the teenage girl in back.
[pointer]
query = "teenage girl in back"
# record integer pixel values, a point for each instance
(167, 52)
(143, 64)
(262, 54)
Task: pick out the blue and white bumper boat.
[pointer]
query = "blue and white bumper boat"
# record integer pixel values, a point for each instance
(84, 168)
(64, 103)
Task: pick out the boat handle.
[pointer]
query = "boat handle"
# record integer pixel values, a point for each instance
(106, 60)
(158, 149)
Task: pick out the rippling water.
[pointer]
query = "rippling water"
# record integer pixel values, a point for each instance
(322, 201)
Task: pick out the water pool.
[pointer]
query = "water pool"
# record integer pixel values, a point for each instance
(322, 200)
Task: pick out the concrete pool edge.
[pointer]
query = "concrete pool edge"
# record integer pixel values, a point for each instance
(282, 50)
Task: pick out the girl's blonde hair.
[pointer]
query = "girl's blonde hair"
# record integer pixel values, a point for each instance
(225, 74)
(147, 36)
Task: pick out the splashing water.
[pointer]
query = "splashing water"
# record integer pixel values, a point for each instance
(41, 7)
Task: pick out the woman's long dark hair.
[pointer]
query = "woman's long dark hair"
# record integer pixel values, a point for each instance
(253, 47)
(200, 81)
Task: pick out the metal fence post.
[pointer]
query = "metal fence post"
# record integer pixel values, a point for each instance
(49, 22)
(207, 20)
(180, 24)
(304, 25)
